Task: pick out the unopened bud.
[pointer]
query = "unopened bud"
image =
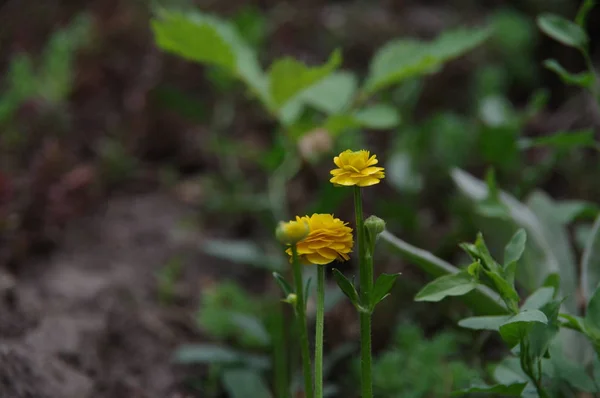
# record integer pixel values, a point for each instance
(291, 299)
(292, 232)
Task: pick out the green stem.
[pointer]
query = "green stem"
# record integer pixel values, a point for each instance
(366, 286)
(301, 315)
(319, 331)
(280, 358)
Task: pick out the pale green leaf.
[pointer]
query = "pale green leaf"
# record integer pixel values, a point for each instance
(449, 285)
(515, 248)
(332, 94)
(511, 390)
(562, 30)
(404, 58)
(484, 322)
(289, 77)
(244, 383)
(214, 354)
(379, 116)
(538, 299)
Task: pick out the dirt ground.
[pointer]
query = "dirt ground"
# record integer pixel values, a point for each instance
(85, 321)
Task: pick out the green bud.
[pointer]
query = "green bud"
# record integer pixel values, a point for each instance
(292, 232)
(291, 299)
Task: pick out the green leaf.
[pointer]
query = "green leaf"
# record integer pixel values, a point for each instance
(383, 286)
(289, 77)
(541, 335)
(509, 371)
(515, 248)
(404, 58)
(567, 211)
(538, 299)
(243, 383)
(484, 322)
(573, 322)
(286, 288)
(590, 262)
(448, 285)
(512, 390)
(251, 326)
(583, 12)
(339, 123)
(516, 328)
(505, 289)
(581, 79)
(379, 116)
(482, 299)
(332, 94)
(562, 30)
(564, 140)
(240, 251)
(214, 354)
(573, 373)
(347, 287)
(209, 40)
(592, 316)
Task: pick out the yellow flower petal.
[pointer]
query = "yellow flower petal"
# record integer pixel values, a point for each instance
(356, 168)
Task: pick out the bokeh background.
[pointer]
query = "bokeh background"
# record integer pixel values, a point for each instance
(136, 211)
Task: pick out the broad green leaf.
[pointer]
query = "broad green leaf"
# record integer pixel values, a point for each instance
(511, 390)
(582, 79)
(538, 299)
(563, 140)
(541, 335)
(289, 77)
(339, 123)
(590, 262)
(251, 326)
(214, 354)
(209, 40)
(592, 316)
(484, 322)
(448, 285)
(562, 30)
(509, 371)
(516, 328)
(567, 211)
(383, 286)
(379, 116)
(347, 287)
(243, 383)
(332, 94)
(404, 58)
(240, 251)
(515, 248)
(483, 300)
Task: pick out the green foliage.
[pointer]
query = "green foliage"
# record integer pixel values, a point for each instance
(449, 285)
(418, 367)
(382, 288)
(227, 312)
(590, 262)
(242, 383)
(562, 30)
(405, 58)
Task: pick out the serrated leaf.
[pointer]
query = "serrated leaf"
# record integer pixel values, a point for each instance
(347, 287)
(484, 322)
(515, 247)
(243, 383)
(289, 77)
(538, 299)
(401, 59)
(513, 390)
(332, 94)
(562, 30)
(379, 116)
(516, 328)
(581, 79)
(590, 262)
(449, 285)
(382, 287)
(286, 288)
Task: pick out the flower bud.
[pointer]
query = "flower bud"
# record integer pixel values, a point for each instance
(291, 299)
(292, 232)
(374, 225)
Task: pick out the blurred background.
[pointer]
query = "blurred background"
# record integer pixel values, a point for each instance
(139, 192)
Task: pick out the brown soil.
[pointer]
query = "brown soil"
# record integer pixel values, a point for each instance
(85, 322)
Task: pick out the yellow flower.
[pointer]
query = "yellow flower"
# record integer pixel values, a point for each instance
(356, 168)
(292, 232)
(329, 239)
